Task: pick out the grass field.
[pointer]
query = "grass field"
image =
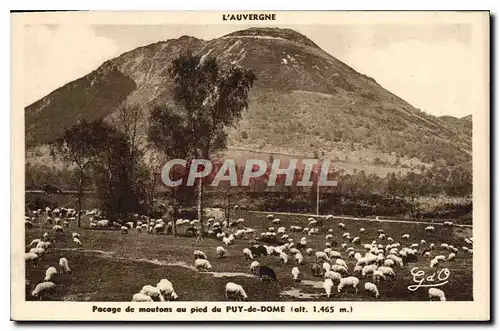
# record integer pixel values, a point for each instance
(110, 266)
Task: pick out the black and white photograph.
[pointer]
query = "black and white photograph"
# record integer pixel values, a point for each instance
(251, 158)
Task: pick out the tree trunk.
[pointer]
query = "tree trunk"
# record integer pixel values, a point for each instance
(79, 204)
(200, 204)
(175, 209)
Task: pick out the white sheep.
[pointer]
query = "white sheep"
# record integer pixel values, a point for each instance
(75, 235)
(326, 266)
(361, 230)
(295, 273)
(50, 273)
(341, 263)
(333, 275)
(221, 252)
(387, 271)
(356, 240)
(166, 289)
(405, 236)
(200, 255)
(339, 268)
(236, 291)
(202, 264)
(42, 288)
(63, 265)
(34, 242)
(247, 253)
(429, 228)
(436, 293)
(367, 269)
(309, 251)
(321, 256)
(342, 225)
(140, 297)
(298, 258)
(348, 282)
(451, 256)
(372, 288)
(124, 229)
(388, 263)
(328, 285)
(38, 251)
(434, 263)
(153, 292)
(31, 257)
(254, 266)
(77, 241)
(45, 236)
(283, 258)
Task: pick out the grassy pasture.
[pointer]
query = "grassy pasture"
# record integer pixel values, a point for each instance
(110, 266)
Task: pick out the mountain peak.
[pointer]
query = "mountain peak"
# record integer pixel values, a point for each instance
(270, 33)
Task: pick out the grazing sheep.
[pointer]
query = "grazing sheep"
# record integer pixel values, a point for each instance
(200, 255)
(348, 282)
(202, 264)
(153, 292)
(333, 275)
(247, 253)
(267, 273)
(432, 246)
(221, 252)
(388, 263)
(283, 258)
(321, 256)
(362, 230)
(328, 285)
(235, 291)
(166, 289)
(436, 293)
(440, 258)
(338, 268)
(372, 288)
(77, 241)
(124, 230)
(295, 273)
(387, 271)
(75, 235)
(45, 236)
(254, 266)
(342, 225)
(38, 251)
(405, 236)
(341, 263)
(34, 242)
(367, 269)
(31, 257)
(356, 240)
(326, 266)
(57, 229)
(43, 288)
(50, 273)
(429, 228)
(63, 265)
(298, 258)
(316, 269)
(451, 256)
(140, 297)
(434, 263)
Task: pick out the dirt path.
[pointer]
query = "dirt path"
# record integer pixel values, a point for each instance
(359, 218)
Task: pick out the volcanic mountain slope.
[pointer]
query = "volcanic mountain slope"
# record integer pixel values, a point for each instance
(304, 102)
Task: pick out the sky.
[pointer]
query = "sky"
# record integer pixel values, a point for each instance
(428, 66)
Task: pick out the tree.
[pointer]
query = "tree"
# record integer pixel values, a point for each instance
(169, 134)
(77, 147)
(211, 99)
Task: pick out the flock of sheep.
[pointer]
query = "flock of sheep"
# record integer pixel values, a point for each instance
(382, 258)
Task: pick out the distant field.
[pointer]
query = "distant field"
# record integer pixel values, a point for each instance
(110, 266)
